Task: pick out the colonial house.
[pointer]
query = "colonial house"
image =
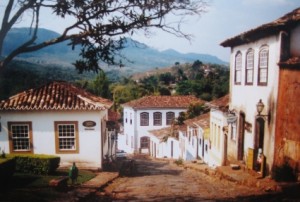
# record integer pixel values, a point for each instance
(150, 113)
(196, 138)
(56, 119)
(219, 123)
(264, 92)
(164, 143)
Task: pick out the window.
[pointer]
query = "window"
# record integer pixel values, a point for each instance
(170, 118)
(130, 118)
(125, 117)
(145, 142)
(249, 67)
(157, 118)
(263, 66)
(238, 68)
(144, 119)
(233, 131)
(66, 136)
(20, 137)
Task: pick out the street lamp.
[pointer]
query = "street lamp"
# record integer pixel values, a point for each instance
(260, 106)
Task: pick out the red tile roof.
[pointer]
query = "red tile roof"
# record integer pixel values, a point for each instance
(55, 96)
(221, 103)
(202, 121)
(162, 133)
(291, 62)
(284, 23)
(179, 101)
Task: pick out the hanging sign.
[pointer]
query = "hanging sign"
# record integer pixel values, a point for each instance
(231, 118)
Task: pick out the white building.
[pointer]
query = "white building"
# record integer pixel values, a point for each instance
(164, 143)
(196, 138)
(254, 81)
(56, 119)
(150, 113)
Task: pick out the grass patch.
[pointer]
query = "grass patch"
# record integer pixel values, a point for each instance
(30, 187)
(31, 180)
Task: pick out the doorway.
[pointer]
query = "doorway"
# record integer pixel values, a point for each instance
(240, 151)
(259, 134)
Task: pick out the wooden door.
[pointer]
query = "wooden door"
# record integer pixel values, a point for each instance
(240, 151)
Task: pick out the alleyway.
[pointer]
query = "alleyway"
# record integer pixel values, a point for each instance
(163, 181)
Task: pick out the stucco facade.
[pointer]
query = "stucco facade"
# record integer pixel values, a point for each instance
(150, 113)
(244, 99)
(43, 135)
(218, 138)
(57, 119)
(255, 80)
(133, 131)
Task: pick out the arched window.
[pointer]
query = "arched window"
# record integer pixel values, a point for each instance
(144, 119)
(157, 118)
(249, 67)
(170, 118)
(238, 68)
(263, 66)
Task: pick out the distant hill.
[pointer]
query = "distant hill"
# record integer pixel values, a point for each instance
(141, 56)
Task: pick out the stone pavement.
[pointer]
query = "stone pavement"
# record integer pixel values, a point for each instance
(245, 177)
(101, 179)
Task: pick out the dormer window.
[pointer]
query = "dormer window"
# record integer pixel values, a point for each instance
(238, 68)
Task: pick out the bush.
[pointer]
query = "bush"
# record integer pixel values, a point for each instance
(7, 169)
(36, 164)
(179, 161)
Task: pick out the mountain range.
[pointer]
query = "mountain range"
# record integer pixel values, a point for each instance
(140, 57)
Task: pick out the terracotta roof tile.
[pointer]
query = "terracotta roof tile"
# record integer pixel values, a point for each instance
(163, 102)
(161, 133)
(291, 62)
(221, 103)
(287, 21)
(55, 96)
(202, 121)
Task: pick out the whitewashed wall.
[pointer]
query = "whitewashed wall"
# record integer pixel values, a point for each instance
(44, 136)
(163, 149)
(127, 140)
(135, 131)
(245, 97)
(191, 145)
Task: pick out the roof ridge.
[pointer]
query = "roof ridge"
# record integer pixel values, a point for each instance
(57, 95)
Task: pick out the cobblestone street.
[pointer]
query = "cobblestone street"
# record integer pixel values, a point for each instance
(163, 181)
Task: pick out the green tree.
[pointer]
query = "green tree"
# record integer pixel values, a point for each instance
(98, 26)
(101, 85)
(195, 110)
(166, 78)
(181, 118)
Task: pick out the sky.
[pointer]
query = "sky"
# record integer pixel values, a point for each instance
(223, 19)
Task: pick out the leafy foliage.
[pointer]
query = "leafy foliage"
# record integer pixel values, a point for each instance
(36, 164)
(206, 82)
(98, 27)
